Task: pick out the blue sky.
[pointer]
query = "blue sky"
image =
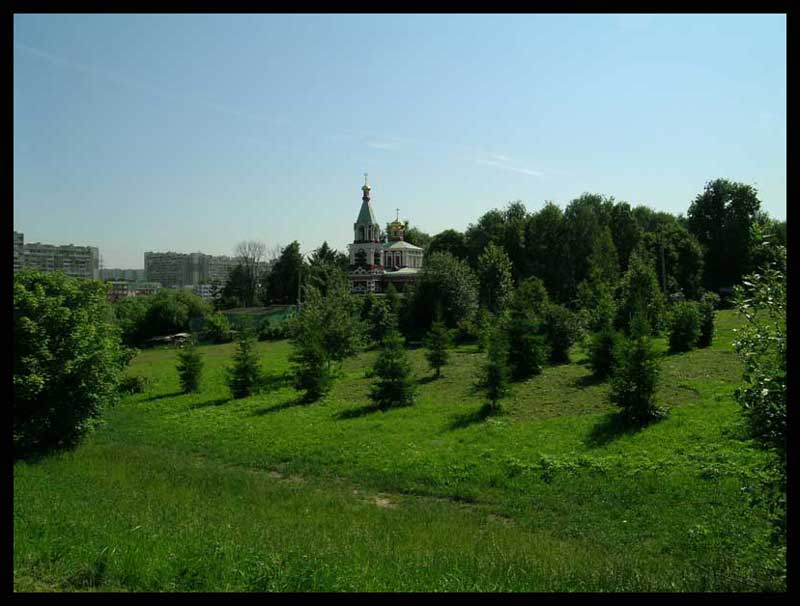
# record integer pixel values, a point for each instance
(192, 133)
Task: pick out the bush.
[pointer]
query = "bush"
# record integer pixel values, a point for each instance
(381, 320)
(560, 328)
(437, 342)
(636, 371)
(684, 326)
(190, 367)
(395, 385)
(708, 304)
(131, 384)
(762, 345)
(244, 377)
(273, 331)
(603, 349)
(217, 328)
(68, 360)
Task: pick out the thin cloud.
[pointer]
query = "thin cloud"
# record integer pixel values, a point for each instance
(502, 165)
(385, 145)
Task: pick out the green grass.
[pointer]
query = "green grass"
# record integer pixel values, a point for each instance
(200, 492)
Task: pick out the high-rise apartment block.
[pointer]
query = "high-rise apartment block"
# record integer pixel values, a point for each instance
(128, 275)
(19, 250)
(176, 270)
(77, 261)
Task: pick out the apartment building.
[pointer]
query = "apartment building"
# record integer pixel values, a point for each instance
(77, 261)
(175, 270)
(128, 275)
(19, 250)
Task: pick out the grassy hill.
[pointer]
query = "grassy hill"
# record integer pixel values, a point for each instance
(200, 492)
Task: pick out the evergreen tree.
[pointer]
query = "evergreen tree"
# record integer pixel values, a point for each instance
(312, 373)
(560, 328)
(640, 287)
(528, 349)
(483, 324)
(635, 378)
(244, 377)
(438, 342)
(395, 385)
(708, 304)
(603, 348)
(190, 367)
(684, 326)
(495, 379)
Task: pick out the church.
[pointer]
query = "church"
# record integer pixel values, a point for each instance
(378, 259)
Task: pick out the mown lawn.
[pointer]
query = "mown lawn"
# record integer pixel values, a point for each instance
(200, 492)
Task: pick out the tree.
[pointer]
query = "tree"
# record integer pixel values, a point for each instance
(636, 372)
(684, 326)
(444, 283)
(677, 258)
(528, 350)
(761, 300)
(395, 385)
(604, 348)
(281, 286)
(530, 297)
(560, 328)
(381, 320)
(721, 219)
(495, 377)
(190, 367)
(217, 328)
(584, 219)
(449, 241)
(503, 228)
(438, 342)
(546, 240)
(244, 376)
(235, 292)
(67, 360)
(625, 231)
(708, 304)
(171, 311)
(130, 314)
(326, 330)
(494, 275)
(414, 236)
(251, 256)
(639, 286)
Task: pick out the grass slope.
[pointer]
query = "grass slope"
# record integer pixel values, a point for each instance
(200, 492)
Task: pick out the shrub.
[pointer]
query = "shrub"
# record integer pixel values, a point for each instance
(495, 377)
(560, 328)
(684, 326)
(190, 367)
(217, 328)
(273, 331)
(636, 371)
(67, 360)
(381, 320)
(708, 304)
(639, 289)
(528, 350)
(603, 348)
(437, 342)
(395, 385)
(761, 299)
(244, 376)
(131, 384)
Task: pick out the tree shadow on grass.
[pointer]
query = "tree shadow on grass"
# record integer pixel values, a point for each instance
(275, 381)
(428, 379)
(208, 403)
(361, 411)
(477, 416)
(290, 403)
(614, 425)
(589, 380)
(163, 396)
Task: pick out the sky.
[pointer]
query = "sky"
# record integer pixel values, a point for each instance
(196, 132)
